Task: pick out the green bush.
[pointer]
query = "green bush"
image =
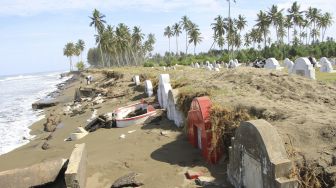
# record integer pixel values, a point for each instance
(80, 66)
(148, 64)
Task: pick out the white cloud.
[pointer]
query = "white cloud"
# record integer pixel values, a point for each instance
(29, 7)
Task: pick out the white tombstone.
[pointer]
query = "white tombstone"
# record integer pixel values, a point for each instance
(164, 68)
(136, 80)
(272, 63)
(303, 67)
(289, 65)
(148, 88)
(217, 69)
(197, 65)
(192, 65)
(326, 65)
(226, 65)
(218, 66)
(233, 63)
(207, 63)
(173, 112)
(163, 89)
(208, 68)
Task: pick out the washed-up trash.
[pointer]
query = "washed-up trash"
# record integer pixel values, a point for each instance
(122, 136)
(206, 181)
(191, 174)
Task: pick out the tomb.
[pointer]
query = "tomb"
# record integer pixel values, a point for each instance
(303, 67)
(258, 158)
(326, 65)
(199, 129)
(136, 80)
(197, 65)
(289, 65)
(272, 63)
(163, 89)
(148, 88)
(173, 112)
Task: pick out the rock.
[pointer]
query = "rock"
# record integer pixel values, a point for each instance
(128, 180)
(45, 146)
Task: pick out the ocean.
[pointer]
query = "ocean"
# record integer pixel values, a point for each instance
(17, 93)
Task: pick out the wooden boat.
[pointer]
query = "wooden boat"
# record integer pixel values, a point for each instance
(121, 114)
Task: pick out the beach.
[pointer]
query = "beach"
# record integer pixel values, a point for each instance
(160, 159)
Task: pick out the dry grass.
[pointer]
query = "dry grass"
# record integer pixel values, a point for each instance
(224, 122)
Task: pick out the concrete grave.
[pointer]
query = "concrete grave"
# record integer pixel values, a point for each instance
(136, 80)
(197, 65)
(148, 88)
(35, 175)
(218, 66)
(216, 69)
(258, 158)
(326, 65)
(272, 63)
(289, 65)
(163, 89)
(75, 175)
(303, 67)
(192, 65)
(199, 129)
(173, 112)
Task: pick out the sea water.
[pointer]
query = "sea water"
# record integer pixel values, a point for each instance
(17, 93)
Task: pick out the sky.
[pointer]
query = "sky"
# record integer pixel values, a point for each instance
(33, 33)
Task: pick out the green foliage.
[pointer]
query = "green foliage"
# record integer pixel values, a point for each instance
(148, 64)
(80, 66)
(94, 57)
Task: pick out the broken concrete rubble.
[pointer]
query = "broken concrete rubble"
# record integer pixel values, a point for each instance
(35, 175)
(75, 175)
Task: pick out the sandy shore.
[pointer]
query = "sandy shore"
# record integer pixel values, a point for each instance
(161, 160)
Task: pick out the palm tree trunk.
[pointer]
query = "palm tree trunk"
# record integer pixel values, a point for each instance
(169, 44)
(194, 50)
(70, 64)
(176, 46)
(186, 43)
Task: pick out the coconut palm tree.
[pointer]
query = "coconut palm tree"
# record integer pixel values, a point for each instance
(137, 37)
(296, 17)
(288, 24)
(325, 21)
(177, 31)
(241, 23)
(97, 20)
(263, 23)
(81, 46)
(219, 31)
(69, 51)
(247, 40)
(194, 36)
(168, 32)
(185, 23)
(275, 16)
(313, 14)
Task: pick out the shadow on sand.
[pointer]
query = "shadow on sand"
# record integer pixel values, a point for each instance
(180, 152)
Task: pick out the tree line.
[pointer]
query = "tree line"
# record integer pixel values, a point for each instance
(118, 45)
(75, 49)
